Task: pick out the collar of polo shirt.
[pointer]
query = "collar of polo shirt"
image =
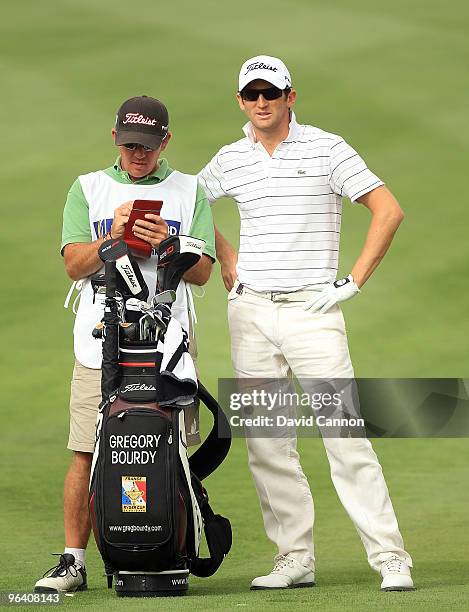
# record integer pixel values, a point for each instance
(292, 133)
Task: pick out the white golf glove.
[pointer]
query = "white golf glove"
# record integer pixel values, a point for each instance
(332, 294)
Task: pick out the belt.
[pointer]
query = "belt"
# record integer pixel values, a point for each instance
(301, 295)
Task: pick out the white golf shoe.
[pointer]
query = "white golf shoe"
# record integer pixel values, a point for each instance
(396, 575)
(287, 574)
(65, 577)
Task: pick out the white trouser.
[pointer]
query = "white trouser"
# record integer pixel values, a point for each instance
(275, 339)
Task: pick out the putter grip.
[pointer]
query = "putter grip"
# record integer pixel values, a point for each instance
(111, 278)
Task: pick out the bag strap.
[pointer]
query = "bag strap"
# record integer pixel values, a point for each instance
(178, 353)
(218, 534)
(214, 449)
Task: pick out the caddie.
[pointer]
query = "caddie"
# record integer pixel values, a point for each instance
(288, 180)
(97, 208)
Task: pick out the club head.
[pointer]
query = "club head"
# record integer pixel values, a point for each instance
(136, 305)
(147, 327)
(160, 319)
(164, 311)
(165, 297)
(160, 322)
(133, 310)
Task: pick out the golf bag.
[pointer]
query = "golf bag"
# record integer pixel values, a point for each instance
(147, 504)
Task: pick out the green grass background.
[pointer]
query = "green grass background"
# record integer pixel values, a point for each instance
(392, 79)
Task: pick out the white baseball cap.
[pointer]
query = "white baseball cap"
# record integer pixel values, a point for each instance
(267, 68)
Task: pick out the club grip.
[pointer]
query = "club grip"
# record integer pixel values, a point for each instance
(111, 278)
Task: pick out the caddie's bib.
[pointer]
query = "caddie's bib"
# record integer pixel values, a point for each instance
(104, 195)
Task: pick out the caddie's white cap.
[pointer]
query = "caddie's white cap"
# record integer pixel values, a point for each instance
(267, 68)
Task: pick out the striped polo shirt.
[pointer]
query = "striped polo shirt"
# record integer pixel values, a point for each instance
(290, 203)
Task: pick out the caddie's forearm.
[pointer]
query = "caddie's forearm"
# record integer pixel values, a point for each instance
(225, 251)
(200, 272)
(81, 258)
(383, 226)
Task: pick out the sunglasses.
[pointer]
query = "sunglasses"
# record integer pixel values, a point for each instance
(131, 146)
(270, 93)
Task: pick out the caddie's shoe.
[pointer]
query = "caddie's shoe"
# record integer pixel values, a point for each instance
(287, 574)
(64, 577)
(396, 575)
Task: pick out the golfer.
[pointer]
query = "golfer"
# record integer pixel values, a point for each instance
(288, 181)
(97, 208)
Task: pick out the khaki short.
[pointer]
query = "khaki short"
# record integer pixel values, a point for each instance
(85, 397)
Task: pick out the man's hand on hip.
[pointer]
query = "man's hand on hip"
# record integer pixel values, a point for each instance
(153, 229)
(340, 291)
(228, 269)
(228, 258)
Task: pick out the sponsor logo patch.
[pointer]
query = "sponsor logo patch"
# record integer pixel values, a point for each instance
(138, 118)
(102, 227)
(125, 268)
(173, 227)
(341, 282)
(260, 66)
(134, 493)
(137, 387)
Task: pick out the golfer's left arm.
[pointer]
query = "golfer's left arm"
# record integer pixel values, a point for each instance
(386, 216)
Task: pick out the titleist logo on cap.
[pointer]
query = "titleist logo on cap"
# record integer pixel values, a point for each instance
(260, 66)
(138, 118)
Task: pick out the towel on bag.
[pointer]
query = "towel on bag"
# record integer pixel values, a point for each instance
(176, 382)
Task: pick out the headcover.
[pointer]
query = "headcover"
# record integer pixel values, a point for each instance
(176, 255)
(130, 281)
